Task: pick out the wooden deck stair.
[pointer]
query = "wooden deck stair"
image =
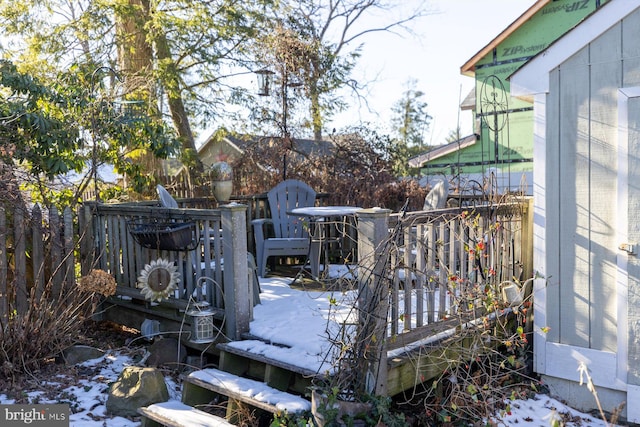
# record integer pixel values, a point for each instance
(277, 374)
(243, 379)
(177, 414)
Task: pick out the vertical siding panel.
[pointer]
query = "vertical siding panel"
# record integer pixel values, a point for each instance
(633, 227)
(631, 78)
(631, 50)
(552, 198)
(605, 80)
(575, 201)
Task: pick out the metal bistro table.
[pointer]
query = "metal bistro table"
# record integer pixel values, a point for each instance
(322, 221)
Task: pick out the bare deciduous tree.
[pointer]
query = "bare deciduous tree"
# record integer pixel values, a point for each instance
(329, 36)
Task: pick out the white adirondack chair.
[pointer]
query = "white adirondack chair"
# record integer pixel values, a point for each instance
(166, 199)
(437, 197)
(291, 236)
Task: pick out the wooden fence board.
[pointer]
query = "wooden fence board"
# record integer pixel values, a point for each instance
(20, 261)
(4, 291)
(50, 267)
(37, 251)
(55, 225)
(69, 244)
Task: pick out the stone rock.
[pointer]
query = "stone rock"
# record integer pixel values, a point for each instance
(167, 353)
(79, 353)
(136, 387)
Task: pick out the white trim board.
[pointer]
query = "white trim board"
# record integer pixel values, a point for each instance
(539, 234)
(633, 409)
(563, 362)
(622, 227)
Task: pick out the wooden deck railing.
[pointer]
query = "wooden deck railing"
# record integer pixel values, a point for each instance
(214, 258)
(421, 272)
(257, 207)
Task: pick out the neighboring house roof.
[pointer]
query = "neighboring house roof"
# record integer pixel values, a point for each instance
(231, 142)
(469, 102)
(419, 160)
(469, 67)
(532, 78)
(241, 142)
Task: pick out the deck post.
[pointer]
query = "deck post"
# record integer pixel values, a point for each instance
(373, 300)
(238, 299)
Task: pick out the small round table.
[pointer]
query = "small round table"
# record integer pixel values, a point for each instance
(321, 219)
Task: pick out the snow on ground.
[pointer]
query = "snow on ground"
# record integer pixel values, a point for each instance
(281, 309)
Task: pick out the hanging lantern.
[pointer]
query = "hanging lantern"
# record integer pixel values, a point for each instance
(202, 328)
(264, 81)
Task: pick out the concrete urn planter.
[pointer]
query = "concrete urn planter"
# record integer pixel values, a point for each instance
(221, 175)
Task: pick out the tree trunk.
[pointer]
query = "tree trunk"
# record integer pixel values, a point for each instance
(135, 57)
(315, 105)
(136, 61)
(316, 112)
(176, 107)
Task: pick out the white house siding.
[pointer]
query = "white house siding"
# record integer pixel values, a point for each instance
(633, 262)
(582, 180)
(582, 129)
(587, 203)
(631, 78)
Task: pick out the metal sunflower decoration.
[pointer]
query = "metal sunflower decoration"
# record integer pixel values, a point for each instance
(158, 279)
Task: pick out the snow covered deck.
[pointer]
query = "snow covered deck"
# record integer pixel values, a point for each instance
(419, 277)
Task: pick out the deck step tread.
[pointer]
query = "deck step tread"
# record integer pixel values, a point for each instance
(252, 392)
(177, 414)
(242, 348)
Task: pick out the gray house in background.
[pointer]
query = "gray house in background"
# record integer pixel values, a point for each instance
(585, 89)
(232, 146)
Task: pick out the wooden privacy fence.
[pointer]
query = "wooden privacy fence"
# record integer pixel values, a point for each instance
(36, 256)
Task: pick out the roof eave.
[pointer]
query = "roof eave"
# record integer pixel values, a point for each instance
(419, 160)
(527, 80)
(469, 67)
